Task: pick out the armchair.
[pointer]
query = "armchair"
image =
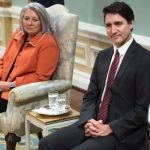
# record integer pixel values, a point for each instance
(64, 26)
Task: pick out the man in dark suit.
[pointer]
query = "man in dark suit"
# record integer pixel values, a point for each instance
(124, 126)
(48, 3)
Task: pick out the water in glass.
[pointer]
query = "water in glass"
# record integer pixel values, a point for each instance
(52, 97)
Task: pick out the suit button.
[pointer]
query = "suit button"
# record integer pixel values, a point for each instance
(15, 65)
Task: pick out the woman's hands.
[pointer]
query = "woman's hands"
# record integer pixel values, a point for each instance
(95, 128)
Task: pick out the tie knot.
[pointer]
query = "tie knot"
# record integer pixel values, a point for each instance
(116, 52)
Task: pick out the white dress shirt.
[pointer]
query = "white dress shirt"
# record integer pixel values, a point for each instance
(122, 51)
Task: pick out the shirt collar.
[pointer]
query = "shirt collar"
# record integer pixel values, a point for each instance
(123, 49)
(34, 41)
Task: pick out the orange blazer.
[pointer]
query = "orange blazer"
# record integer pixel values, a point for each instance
(36, 62)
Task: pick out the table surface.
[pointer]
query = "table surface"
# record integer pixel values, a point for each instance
(73, 114)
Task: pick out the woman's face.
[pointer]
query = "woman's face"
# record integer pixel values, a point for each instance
(31, 23)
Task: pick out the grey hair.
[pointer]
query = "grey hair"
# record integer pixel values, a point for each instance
(42, 14)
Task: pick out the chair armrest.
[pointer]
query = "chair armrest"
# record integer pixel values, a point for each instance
(31, 91)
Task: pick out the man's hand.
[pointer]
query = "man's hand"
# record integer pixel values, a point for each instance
(91, 127)
(95, 128)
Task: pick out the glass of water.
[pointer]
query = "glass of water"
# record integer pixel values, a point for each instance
(52, 99)
(62, 102)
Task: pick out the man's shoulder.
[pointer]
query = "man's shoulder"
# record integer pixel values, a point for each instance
(106, 51)
(142, 49)
(142, 55)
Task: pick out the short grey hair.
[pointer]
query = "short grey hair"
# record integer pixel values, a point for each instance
(42, 14)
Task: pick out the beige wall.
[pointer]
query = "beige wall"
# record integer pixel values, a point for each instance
(86, 52)
(5, 30)
(5, 3)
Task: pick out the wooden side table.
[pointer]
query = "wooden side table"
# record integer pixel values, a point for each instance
(48, 122)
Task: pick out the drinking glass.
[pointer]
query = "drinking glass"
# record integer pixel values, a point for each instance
(52, 98)
(62, 102)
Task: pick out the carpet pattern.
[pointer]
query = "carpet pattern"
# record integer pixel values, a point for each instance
(21, 145)
(34, 141)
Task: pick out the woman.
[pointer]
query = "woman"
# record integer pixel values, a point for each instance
(32, 53)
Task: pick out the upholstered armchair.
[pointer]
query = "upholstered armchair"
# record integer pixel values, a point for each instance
(27, 97)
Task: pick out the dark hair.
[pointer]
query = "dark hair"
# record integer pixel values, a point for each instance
(120, 8)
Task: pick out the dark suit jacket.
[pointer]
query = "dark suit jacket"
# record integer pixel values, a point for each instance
(48, 3)
(130, 96)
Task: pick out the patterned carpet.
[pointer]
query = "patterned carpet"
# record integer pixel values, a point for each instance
(21, 145)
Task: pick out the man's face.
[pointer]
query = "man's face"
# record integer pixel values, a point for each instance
(118, 29)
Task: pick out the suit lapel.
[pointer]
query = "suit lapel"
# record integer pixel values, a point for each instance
(126, 60)
(105, 65)
(106, 62)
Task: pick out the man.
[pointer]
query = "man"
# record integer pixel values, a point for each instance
(48, 3)
(115, 106)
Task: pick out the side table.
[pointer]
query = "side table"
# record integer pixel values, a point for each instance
(48, 122)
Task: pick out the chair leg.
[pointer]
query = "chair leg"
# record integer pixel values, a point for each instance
(11, 140)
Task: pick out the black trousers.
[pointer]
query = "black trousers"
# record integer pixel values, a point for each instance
(72, 138)
(3, 104)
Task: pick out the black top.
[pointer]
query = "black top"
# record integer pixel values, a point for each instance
(48, 3)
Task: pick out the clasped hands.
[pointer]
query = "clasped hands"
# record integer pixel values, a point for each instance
(94, 128)
(4, 86)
